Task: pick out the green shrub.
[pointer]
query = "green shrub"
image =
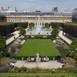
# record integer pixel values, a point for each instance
(62, 51)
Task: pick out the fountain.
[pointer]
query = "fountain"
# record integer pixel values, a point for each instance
(38, 29)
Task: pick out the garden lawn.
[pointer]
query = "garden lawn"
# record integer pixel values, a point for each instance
(44, 47)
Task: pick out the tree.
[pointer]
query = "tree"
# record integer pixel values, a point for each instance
(2, 43)
(73, 45)
(54, 32)
(3, 47)
(70, 28)
(6, 29)
(19, 25)
(75, 57)
(31, 25)
(22, 31)
(47, 25)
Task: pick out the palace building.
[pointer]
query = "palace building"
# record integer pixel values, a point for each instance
(32, 17)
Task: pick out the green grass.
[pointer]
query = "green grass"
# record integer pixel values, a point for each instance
(44, 47)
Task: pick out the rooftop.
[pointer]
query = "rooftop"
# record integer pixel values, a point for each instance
(36, 13)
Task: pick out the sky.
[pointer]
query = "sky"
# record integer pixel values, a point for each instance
(42, 5)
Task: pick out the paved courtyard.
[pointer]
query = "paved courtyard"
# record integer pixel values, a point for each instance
(44, 65)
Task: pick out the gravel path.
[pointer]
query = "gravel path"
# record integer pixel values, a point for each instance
(16, 34)
(64, 38)
(44, 65)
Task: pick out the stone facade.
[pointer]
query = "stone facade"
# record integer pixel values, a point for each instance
(33, 17)
(43, 19)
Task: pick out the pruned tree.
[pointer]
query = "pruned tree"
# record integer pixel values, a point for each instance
(3, 47)
(22, 31)
(54, 32)
(2, 43)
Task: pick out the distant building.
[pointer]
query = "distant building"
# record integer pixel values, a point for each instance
(74, 15)
(6, 10)
(55, 9)
(45, 17)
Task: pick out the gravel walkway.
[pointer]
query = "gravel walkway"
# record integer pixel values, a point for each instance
(44, 65)
(64, 38)
(16, 34)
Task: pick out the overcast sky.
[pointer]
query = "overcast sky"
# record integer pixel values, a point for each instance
(43, 5)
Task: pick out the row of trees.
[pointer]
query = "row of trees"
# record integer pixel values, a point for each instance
(31, 25)
(3, 47)
(6, 29)
(54, 32)
(70, 29)
(22, 31)
(24, 25)
(56, 24)
(47, 25)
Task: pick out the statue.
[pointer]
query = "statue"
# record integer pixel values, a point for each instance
(37, 57)
(37, 54)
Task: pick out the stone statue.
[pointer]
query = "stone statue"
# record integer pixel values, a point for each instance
(37, 57)
(37, 54)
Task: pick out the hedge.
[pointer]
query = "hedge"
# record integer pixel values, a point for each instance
(25, 57)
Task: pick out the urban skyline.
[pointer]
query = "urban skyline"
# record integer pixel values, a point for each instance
(42, 5)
